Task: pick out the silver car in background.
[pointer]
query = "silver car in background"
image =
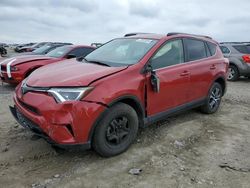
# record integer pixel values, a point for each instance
(238, 54)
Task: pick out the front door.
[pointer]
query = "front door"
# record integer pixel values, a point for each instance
(174, 78)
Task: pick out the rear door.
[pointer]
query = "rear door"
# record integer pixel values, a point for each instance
(202, 67)
(173, 75)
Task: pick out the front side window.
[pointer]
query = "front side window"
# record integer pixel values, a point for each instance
(169, 54)
(120, 52)
(195, 49)
(224, 50)
(59, 52)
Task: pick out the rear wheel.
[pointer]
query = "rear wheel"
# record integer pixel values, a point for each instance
(116, 131)
(213, 99)
(233, 73)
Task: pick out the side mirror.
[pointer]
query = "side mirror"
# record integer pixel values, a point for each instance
(155, 81)
(70, 56)
(148, 68)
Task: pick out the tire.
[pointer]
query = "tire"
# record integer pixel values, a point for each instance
(233, 73)
(116, 131)
(213, 100)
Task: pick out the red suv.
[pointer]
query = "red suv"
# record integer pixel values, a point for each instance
(14, 70)
(127, 83)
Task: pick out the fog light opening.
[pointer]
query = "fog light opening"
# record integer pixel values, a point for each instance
(70, 130)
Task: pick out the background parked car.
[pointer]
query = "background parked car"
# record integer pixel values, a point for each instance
(14, 70)
(44, 49)
(97, 45)
(31, 48)
(238, 54)
(18, 47)
(3, 51)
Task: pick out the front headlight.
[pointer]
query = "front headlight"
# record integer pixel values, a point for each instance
(14, 68)
(69, 94)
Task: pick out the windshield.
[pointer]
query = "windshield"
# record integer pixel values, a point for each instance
(42, 49)
(244, 49)
(59, 52)
(120, 52)
(37, 45)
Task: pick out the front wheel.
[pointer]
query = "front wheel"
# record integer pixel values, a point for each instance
(116, 131)
(213, 99)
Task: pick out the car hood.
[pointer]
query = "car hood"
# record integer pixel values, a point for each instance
(27, 58)
(70, 73)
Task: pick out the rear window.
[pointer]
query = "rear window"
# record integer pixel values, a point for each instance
(248, 47)
(224, 50)
(212, 48)
(195, 49)
(242, 49)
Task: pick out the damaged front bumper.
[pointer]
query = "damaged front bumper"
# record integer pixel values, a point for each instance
(28, 124)
(63, 124)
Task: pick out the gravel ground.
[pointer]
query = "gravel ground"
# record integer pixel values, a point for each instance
(187, 150)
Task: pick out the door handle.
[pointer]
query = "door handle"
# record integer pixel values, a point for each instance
(213, 67)
(185, 73)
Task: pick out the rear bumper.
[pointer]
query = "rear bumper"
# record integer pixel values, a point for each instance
(28, 124)
(244, 69)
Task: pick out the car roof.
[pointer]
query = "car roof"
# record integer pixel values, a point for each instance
(169, 35)
(234, 43)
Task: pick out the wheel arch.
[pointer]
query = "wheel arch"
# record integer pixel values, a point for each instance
(134, 102)
(221, 80)
(130, 100)
(28, 72)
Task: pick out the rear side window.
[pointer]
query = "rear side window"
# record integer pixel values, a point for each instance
(224, 50)
(195, 49)
(212, 48)
(242, 49)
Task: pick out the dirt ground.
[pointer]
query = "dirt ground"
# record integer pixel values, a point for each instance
(187, 150)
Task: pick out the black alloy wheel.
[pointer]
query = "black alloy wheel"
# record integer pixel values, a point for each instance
(116, 130)
(213, 100)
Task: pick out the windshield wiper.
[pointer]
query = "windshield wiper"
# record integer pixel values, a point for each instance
(97, 62)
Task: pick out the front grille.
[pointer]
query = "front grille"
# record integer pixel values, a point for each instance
(26, 122)
(3, 68)
(28, 107)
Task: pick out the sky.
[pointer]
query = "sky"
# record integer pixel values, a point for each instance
(87, 21)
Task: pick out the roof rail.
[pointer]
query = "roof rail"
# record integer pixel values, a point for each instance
(234, 42)
(133, 34)
(176, 33)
